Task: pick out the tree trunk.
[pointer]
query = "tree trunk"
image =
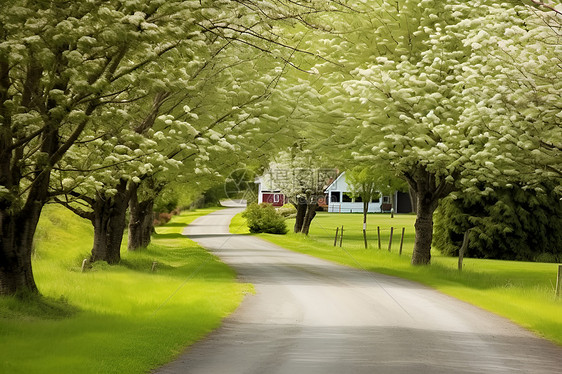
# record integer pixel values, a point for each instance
(299, 220)
(141, 219)
(309, 216)
(21, 177)
(16, 243)
(424, 232)
(109, 224)
(365, 211)
(18, 225)
(463, 248)
(428, 192)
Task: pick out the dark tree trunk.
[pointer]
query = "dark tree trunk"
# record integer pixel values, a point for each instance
(16, 243)
(299, 220)
(141, 219)
(428, 192)
(424, 232)
(18, 225)
(309, 216)
(109, 220)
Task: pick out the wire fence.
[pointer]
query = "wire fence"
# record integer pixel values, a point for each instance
(383, 237)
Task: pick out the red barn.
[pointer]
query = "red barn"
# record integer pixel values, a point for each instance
(267, 194)
(273, 198)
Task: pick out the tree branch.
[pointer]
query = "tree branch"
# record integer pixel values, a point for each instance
(79, 212)
(548, 6)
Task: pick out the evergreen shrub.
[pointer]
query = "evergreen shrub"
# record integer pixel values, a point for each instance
(509, 224)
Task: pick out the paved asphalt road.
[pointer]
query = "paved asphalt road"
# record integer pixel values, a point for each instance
(312, 316)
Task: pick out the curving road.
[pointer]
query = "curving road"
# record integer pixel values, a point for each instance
(312, 316)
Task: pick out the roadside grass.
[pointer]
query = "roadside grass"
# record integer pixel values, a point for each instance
(114, 319)
(520, 291)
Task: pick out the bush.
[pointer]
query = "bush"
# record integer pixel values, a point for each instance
(548, 257)
(509, 224)
(287, 211)
(264, 218)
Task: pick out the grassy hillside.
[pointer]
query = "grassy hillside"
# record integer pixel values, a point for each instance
(113, 319)
(520, 291)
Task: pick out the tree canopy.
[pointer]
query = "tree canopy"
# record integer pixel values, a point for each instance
(453, 96)
(102, 104)
(75, 75)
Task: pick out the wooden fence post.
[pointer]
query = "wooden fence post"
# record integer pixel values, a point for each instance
(336, 238)
(559, 281)
(390, 239)
(402, 240)
(379, 235)
(341, 236)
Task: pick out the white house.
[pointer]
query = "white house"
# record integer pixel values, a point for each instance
(340, 201)
(337, 198)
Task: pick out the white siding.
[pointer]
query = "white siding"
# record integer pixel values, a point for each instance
(353, 207)
(340, 186)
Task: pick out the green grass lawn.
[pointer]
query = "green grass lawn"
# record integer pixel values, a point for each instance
(520, 291)
(114, 319)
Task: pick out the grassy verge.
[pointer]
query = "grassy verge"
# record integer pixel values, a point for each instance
(520, 291)
(114, 319)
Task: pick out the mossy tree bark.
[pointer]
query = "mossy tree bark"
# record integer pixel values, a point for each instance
(108, 215)
(141, 220)
(109, 220)
(19, 223)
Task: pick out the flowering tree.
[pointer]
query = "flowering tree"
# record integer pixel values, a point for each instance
(302, 178)
(516, 57)
(178, 137)
(424, 87)
(61, 63)
(368, 182)
(73, 69)
(406, 101)
(451, 95)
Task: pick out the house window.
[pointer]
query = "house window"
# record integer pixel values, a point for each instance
(386, 199)
(334, 197)
(346, 198)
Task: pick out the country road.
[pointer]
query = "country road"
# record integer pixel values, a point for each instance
(311, 316)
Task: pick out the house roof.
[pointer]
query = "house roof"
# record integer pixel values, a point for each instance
(342, 174)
